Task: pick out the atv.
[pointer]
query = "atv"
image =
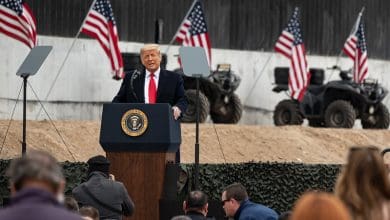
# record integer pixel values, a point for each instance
(227, 107)
(336, 104)
(216, 96)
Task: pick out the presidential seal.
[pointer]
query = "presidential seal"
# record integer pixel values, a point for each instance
(134, 122)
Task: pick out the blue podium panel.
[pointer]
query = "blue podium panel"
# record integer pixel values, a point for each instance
(137, 127)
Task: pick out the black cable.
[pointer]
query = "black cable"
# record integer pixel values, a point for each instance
(219, 143)
(51, 121)
(10, 120)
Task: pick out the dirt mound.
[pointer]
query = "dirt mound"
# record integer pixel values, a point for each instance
(218, 143)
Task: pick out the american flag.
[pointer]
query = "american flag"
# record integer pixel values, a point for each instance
(100, 24)
(355, 47)
(193, 31)
(290, 44)
(17, 21)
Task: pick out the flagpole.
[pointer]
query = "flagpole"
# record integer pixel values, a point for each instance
(353, 30)
(181, 24)
(66, 58)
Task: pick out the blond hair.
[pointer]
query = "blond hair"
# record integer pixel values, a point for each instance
(150, 47)
(319, 206)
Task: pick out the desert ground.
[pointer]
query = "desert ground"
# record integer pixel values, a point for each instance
(219, 143)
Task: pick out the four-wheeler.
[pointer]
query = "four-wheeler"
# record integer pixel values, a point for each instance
(335, 104)
(216, 96)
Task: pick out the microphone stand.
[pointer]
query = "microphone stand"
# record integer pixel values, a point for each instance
(24, 145)
(134, 76)
(197, 135)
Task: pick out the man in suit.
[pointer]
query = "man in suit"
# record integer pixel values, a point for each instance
(196, 205)
(153, 85)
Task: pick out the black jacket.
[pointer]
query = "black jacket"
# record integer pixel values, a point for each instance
(170, 89)
(198, 216)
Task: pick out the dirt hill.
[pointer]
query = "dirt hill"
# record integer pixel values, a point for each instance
(218, 143)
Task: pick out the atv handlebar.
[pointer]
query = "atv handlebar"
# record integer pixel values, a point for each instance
(335, 67)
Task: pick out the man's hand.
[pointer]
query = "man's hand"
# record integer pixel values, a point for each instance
(176, 112)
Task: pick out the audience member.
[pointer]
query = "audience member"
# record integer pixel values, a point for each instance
(89, 211)
(108, 196)
(364, 186)
(196, 205)
(319, 206)
(71, 204)
(36, 183)
(237, 205)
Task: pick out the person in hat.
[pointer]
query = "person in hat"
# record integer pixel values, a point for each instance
(108, 196)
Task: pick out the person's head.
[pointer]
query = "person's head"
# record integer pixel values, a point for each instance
(232, 197)
(151, 57)
(36, 169)
(363, 185)
(98, 163)
(89, 211)
(71, 204)
(196, 201)
(319, 206)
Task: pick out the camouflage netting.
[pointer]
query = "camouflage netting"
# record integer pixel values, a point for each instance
(276, 185)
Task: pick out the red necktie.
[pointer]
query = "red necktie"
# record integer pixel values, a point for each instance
(152, 89)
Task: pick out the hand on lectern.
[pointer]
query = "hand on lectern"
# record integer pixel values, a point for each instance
(176, 112)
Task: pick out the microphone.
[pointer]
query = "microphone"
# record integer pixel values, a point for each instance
(136, 73)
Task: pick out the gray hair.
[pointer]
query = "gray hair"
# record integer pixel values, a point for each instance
(35, 165)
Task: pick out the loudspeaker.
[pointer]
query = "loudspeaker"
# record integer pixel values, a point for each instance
(170, 181)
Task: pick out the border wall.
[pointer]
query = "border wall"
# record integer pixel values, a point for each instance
(242, 33)
(85, 82)
(232, 24)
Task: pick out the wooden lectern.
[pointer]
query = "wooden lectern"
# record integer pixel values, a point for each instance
(140, 139)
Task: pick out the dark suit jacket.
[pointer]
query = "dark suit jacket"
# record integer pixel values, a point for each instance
(170, 89)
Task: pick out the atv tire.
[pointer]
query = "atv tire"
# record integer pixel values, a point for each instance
(287, 113)
(227, 111)
(380, 120)
(340, 114)
(204, 107)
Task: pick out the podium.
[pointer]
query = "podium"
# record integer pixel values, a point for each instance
(139, 140)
